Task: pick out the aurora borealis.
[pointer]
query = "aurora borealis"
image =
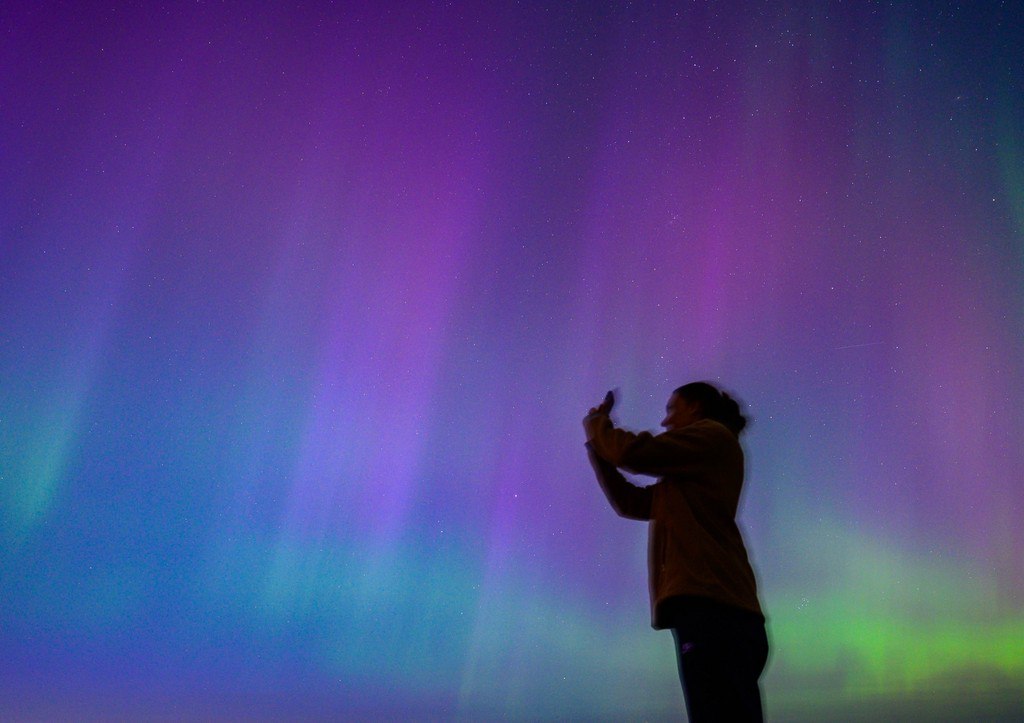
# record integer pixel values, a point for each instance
(301, 307)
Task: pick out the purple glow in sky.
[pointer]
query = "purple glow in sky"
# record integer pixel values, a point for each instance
(301, 307)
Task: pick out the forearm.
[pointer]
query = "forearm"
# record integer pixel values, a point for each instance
(626, 499)
(610, 443)
(676, 452)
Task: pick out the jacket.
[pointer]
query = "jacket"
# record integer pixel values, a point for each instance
(694, 545)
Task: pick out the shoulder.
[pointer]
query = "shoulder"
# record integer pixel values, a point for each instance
(707, 429)
(714, 428)
(709, 434)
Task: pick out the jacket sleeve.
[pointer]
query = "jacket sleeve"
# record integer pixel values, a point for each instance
(678, 452)
(626, 499)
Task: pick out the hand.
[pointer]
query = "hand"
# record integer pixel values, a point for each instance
(594, 417)
(604, 407)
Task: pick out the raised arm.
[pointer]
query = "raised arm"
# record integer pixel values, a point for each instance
(677, 452)
(626, 499)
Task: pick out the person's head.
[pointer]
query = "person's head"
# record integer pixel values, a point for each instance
(700, 400)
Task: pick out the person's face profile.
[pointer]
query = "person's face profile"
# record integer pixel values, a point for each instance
(679, 412)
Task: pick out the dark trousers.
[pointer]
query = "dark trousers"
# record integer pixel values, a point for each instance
(721, 653)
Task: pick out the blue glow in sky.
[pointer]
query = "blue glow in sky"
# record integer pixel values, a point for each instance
(300, 309)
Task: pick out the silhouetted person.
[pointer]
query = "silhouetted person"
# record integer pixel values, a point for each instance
(702, 586)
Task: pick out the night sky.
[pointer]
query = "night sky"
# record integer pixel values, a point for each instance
(301, 308)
